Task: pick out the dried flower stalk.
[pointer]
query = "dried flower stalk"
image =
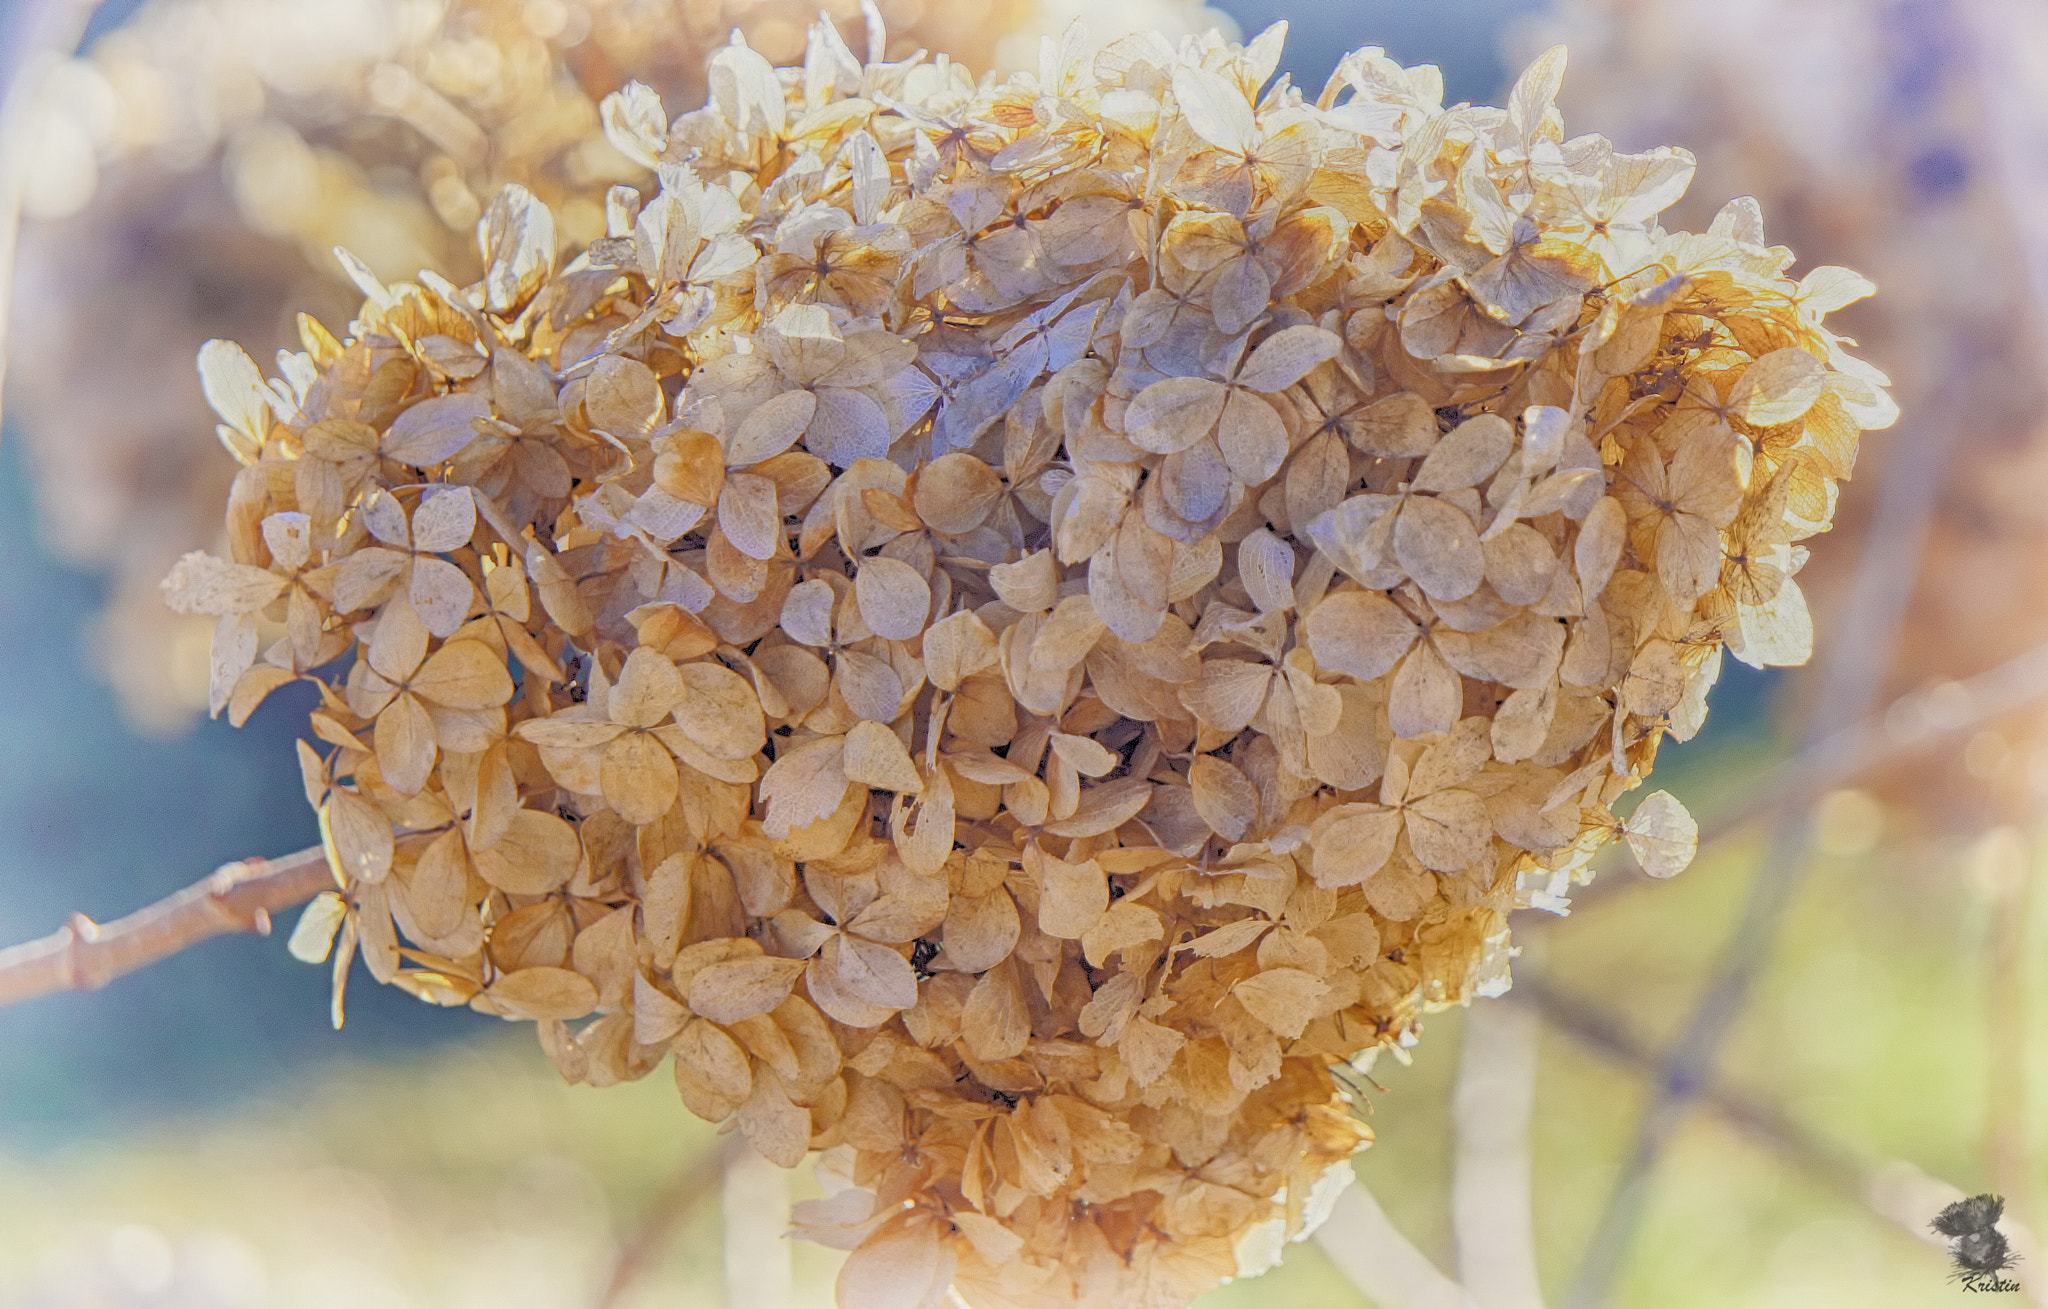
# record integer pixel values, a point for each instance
(1016, 627)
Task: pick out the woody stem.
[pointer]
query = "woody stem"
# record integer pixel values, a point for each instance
(238, 897)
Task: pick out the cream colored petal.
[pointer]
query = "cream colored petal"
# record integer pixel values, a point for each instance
(875, 757)
(537, 854)
(639, 778)
(405, 744)
(649, 687)
(464, 675)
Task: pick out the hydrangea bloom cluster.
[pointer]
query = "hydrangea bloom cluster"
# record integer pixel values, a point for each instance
(1017, 628)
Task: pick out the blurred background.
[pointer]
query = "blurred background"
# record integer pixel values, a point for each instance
(1751, 1086)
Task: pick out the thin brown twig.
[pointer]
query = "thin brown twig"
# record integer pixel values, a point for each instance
(239, 897)
(1914, 721)
(696, 1182)
(242, 897)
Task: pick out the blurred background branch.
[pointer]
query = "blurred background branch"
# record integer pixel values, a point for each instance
(1492, 1180)
(694, 1185)
(1365, 1245)
(1850, 681)
(1919, 720)
(2003, 863)
(1897, 1191)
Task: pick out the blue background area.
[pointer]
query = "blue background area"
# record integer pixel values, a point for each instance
(1462, 37)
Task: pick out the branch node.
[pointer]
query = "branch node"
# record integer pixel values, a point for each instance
(231, 875)
(79, 932)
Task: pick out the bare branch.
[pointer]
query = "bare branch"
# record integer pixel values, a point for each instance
(1897, 1191)
(1364, 1244)
(692, 1185)
(1491, 1193)
(238, 897)
(1603, 1033)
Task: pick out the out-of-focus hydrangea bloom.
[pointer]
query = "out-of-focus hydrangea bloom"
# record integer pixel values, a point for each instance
(1017, 629)
(1890, 137)
(189, 177)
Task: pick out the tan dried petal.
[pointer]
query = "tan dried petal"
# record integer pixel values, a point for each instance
(363, 839)
(720, 712)
(623, 397)
(1071, 897)
(1355, 845)
(202, 584)
(995, 1022)
(540, 993)
(1359, 632)
(1171, 415)
(1222, 795)
(895, 599)
(463, 675)
(875, 756)
(712, 1071)
(1778, 388)
(956, 493)
(537, 854)
(638, 777)
(1284, 999)
(803, 786)
(649, 687)
(957, 647)
(235, 389)
(1437, 545)
(741, 988)
(1467, 455)
(406, 743)
(869, 971)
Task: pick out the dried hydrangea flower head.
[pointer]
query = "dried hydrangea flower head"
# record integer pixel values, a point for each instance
(1017, 628)
(277, 129)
